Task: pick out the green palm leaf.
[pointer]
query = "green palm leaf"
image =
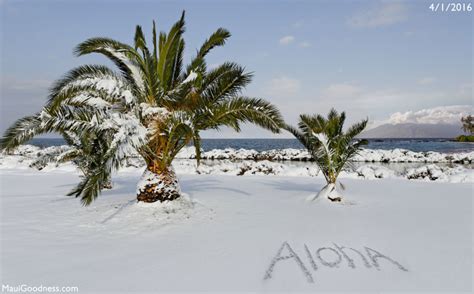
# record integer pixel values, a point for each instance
(20, 132)
(244, 109)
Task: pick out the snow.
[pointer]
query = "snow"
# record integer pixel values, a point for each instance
(329, 192)
(91, 101)
(148, 110)
(365, 155)
(230, 162)
(128, 96)
(132, 66)
(255, 233)
(191, 77)
(111, 85)
(130, 134)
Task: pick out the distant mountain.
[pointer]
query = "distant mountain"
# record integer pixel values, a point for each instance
(412, 130)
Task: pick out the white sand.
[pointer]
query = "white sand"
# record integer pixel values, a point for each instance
(227, 238)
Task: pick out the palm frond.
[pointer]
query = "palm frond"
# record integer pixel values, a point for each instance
(227, 80)
(20, 132)
(177, 64)
(83, 74)
(307, 141)
(91, 185)
(69, 119)
(169, 49)
(140, 42)
(69, 155)
(356, 129)
(218, 38)
(245, 109)
(125, 57)
(155, 50)
(86, 95)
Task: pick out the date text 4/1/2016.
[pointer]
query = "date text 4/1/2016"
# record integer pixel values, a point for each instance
(451, 7)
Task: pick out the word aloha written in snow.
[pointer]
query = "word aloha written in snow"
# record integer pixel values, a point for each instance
(338, 253)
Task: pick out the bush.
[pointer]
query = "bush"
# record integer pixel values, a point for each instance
(464, 138)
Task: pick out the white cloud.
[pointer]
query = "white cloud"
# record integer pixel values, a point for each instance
(379, 104)
(441, 114)
(349, 94)
(283, 86)
(386, 13)
(286, 40)
(426, 81)
(305, 44)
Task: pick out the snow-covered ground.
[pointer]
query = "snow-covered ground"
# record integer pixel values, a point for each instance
(366, 155)
(254, 233)
(289, 154)
(370, 164)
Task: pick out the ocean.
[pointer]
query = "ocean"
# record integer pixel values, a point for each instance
(417, 145)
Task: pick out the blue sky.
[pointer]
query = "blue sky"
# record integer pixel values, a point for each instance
(369, 58)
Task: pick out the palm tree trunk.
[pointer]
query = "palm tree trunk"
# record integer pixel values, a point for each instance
(329, 192)
(158, 184)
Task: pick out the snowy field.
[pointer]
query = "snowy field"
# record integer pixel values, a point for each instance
(251, 233)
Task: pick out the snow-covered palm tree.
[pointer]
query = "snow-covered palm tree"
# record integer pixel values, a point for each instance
(154, 107)
(330, 147)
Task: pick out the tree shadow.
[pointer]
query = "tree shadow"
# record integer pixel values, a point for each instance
(193, 186)
(291, 186)
(65, 185)
(121, 187)
(119, 210)
(63, 198)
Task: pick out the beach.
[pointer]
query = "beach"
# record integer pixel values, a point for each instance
(254, 233)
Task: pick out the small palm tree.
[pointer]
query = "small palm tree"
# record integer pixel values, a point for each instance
(330, 147)
(468, 124)
(154, 107)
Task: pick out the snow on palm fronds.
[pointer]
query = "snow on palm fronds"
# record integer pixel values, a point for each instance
(123, 55)
(191, 77)
(129, 135)
(330, 147)
(149, 111)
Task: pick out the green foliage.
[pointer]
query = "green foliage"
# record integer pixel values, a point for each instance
(20, 132)
(328, 144)
(464, 138)
(152, 95)
(468, 124)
